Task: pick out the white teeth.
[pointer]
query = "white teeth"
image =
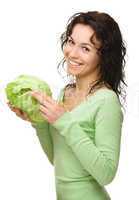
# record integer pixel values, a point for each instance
(74, 63)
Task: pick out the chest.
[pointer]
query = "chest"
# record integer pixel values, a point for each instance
(83, 114)
(71, 100)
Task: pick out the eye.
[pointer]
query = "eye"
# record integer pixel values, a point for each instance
(86, 49)
(70, 41)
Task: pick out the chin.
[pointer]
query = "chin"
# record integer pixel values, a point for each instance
(73, 71)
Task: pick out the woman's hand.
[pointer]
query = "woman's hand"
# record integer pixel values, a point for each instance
(49, 108)
(19, 112)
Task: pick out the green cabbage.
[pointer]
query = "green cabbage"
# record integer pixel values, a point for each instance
(17, 94)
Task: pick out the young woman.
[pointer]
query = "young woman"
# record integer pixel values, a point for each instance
(83, 134)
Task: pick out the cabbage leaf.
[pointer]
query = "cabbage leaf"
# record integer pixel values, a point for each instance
(17, 94)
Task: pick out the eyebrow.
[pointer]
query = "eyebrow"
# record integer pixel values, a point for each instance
(83, 43)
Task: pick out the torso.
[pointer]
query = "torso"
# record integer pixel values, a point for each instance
(71, 99)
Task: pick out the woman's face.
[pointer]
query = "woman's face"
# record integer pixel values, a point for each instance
(80, 53)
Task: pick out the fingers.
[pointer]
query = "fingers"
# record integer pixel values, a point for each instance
(45, 110)
(18, 112)
(42, 97)
(12, 107)
(25, 117)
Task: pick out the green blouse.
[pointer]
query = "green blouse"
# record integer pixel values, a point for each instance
(84, 146)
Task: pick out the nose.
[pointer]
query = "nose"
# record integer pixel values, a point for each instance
(74, 52)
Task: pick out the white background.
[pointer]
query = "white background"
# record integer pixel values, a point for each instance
(29, 44)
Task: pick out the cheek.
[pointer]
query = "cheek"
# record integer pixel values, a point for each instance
(95, 59)
(66, 51)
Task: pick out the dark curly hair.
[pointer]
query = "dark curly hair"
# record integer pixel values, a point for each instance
(112, 51)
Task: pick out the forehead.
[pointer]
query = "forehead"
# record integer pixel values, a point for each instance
(82, 34)
(81, 31)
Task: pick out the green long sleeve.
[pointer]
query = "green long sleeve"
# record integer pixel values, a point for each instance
(99, 156)
(44, 135)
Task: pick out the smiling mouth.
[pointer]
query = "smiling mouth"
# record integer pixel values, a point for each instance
(74, 64)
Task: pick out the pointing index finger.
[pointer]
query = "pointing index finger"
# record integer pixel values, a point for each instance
(42, 97)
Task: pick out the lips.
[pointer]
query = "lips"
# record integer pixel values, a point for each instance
(74, 63)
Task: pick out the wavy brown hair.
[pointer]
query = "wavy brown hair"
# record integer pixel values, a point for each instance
(112, 51)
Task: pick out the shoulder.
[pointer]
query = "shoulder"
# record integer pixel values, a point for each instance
(109, 105)
(111, 97)
(104, 95)
(105, 101)
(107, 94)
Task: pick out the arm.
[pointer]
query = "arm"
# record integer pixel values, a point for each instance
(44, 135)
(100, 158)
(45, 139)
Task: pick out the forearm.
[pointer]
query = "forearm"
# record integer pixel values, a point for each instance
(44, 136)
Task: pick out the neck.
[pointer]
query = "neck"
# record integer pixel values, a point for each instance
(83, 85)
